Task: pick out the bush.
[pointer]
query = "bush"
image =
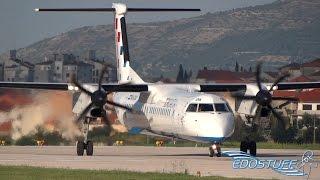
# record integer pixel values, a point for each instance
(26, 141)
(7, 139)
(50, 138)
(242, 131)
(54, 138)
(306, 124)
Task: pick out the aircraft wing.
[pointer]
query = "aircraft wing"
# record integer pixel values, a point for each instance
(298, 85)
(225, 87)
(33, 85)
(66, 86)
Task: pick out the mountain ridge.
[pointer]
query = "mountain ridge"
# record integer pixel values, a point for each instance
(280, 32)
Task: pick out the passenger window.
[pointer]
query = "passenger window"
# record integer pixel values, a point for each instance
(192, 108)
(221, 107)
(205, 107)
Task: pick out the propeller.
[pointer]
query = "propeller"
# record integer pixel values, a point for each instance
(98, 99)
(264, 97)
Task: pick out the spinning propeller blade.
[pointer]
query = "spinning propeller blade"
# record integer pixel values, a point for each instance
(264, 97)
(98, 98)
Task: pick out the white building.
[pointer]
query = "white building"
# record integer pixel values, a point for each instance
(309, 102)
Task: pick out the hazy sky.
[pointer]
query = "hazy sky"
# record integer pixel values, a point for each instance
(21, 26)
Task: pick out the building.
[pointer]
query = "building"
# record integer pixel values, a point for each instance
(14, 69)
(308, 101)
(110, 75)
(315, 76)
(294, 69)
(82, 71)
(17, 70)
(61, 67)
(301, 78)
(91, 55)
(311, 67)
(5, 128)
(269, 76)
(57, 70)
(224, 76)
(43, 71)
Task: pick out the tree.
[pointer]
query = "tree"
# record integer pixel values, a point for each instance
(306, 124)
(236, 69)
(242, 131)
(180, 75)
(307, 120)
(185, 76)
(280, 134)
(189, 76)
(25, 141)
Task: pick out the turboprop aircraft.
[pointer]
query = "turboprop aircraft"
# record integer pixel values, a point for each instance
(182, 111)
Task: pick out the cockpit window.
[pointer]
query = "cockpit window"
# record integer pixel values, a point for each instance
(205, 107)
(221, 107)
(192, 108)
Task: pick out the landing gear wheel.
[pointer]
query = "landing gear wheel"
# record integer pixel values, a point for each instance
(211, 152)
(80, 148)
(253, 148)
(89, 148)
(244, 146)
(218, 151)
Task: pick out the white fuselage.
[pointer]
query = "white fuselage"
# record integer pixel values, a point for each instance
(164, 113)
(162, 110)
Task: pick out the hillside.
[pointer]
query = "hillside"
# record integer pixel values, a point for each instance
(283, 31)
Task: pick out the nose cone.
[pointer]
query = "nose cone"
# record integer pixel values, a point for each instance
(227, 128)
(218, 126)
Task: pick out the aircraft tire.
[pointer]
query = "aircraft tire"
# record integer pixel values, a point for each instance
(89, 149)
(211, 152)
(253, 148)
(218, 152)
(80, 148)
(244, 146)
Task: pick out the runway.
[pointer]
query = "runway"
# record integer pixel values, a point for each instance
(147, 159)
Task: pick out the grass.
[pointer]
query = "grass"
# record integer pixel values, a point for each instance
(26, 173)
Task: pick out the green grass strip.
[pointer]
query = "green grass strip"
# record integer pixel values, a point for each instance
(27, 172)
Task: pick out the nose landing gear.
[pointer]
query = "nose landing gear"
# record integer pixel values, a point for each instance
(81, 146)
(86, 144)
(215, 148)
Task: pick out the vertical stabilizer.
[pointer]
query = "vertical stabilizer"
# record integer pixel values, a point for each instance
(125, 73)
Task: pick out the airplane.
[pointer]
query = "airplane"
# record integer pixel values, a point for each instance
(181, 111)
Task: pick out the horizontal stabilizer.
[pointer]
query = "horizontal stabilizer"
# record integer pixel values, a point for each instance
(112, 9)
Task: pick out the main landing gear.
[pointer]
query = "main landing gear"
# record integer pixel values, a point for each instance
(86, 144)
(249, 145)
(215, 149)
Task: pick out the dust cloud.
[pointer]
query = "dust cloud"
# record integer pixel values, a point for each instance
(26, 110)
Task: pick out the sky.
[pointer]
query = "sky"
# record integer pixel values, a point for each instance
(21, 26)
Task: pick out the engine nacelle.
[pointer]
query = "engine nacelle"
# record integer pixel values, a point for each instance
(96, 112)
